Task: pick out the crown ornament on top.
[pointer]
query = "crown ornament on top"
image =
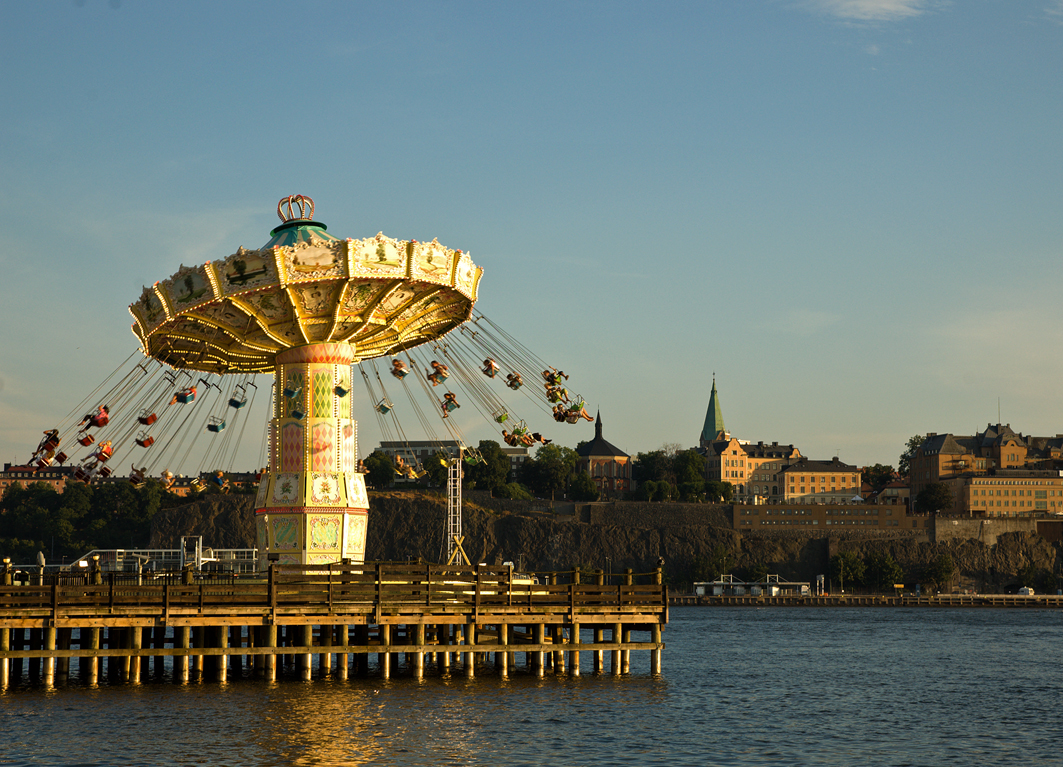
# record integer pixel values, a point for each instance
(286, 208)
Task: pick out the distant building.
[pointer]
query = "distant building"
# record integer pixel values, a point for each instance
(896, 493)
(761, 472)
(820, 482)
(820, 516)
(997, 472)
(58, 477)
(55, 477)
(608, 465)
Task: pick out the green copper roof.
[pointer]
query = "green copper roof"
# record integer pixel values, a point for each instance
(713, 418)
(299, 230)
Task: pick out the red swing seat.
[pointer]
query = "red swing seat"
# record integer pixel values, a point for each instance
(86, 439)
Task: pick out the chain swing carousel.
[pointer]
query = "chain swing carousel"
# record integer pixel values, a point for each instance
(310, 309)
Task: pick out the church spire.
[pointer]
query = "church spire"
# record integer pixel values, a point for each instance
(713, 418)
(598, 426)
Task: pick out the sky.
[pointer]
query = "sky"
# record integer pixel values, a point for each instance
(847, 211)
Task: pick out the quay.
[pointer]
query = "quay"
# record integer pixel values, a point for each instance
(127, 627)
(872, 600)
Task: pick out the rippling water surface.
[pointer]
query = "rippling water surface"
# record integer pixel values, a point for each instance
(740, 686)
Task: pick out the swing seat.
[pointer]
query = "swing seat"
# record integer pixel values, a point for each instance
(340, 392)
(472, 460)
(291, 393)
(400, 374)
(50, 444)
(184, 397)
(60, 458)
(501, 417)
(384, 408)
(197, 483)
(44, 462)
(219, 481)
(449, 405)
(86, 439)
(237, 402)
(99, 420)
(216, 425)
(146, 418)
(298, 415)
(104, 455)
(105, 471)
(135, 480)
(514, 384)
(145, 441)
(81, 475)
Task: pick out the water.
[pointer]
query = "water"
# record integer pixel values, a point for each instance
(741, 686)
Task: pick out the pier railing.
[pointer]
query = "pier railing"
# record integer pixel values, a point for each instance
(332, 589)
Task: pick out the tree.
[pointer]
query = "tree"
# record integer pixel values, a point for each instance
(934, 498)
(513, 490)
(847, 567)
(437, 467)
(878, 476)
(582, 488)
(380, 469)
(940, 571)
(691, 492)
(882, 571)
(653, 466)
(689, 466)
(904, 463)
(549, 471)
(709, 568)
(492, 471)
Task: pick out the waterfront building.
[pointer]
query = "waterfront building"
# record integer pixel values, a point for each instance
(608, 465)
(997, 472)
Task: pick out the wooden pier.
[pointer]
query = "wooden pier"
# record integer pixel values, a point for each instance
(414, 618)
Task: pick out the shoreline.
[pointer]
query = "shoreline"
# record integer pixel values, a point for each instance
(1042, 601)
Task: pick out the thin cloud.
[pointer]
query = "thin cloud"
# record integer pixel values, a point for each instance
(868, 10)
(1054, 11)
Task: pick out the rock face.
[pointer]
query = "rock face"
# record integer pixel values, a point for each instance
(224, 521)
(695, 541)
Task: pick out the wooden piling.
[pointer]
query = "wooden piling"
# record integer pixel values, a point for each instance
(306, 639)
(343, 659)
(418, 657)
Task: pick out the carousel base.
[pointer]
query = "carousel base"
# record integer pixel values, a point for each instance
(312, 529)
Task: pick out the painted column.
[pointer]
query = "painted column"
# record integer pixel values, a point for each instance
(312, 506)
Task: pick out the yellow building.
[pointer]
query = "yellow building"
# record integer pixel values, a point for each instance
(769, 472)
(997, 472)
(821, 482)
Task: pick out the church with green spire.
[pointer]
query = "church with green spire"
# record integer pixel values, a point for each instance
(714, 429)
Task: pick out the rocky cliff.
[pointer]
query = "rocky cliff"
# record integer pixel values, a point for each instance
(695, 541)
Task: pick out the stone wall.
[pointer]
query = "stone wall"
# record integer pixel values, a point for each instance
(985, 530)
